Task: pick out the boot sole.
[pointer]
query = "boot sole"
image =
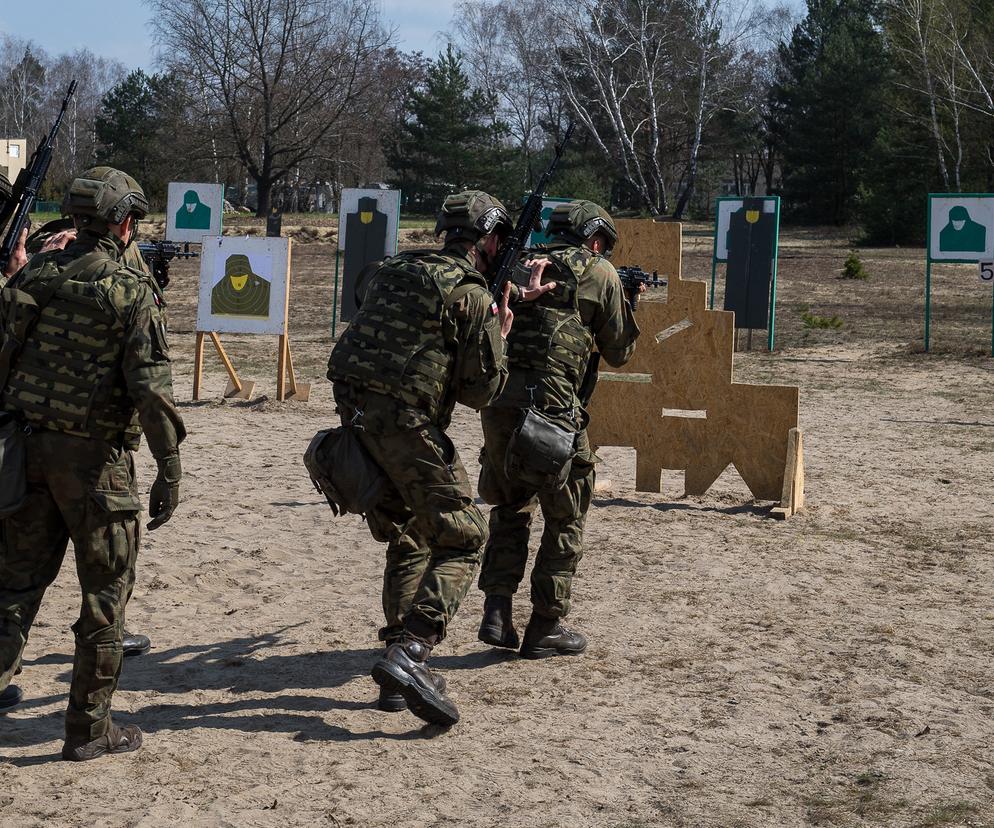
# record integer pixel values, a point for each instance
(494, 637)
(421, 702)
(15, 700)
(136, 651)
(549, 652)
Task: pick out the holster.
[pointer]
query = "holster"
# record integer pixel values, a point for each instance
(540, 452)
(344, 472)
(13, 476)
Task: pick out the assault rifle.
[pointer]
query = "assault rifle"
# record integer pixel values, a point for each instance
(27, 185)
(632, 279)
(158, 255)
(510, 253)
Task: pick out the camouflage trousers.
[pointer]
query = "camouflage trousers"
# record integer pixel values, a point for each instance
(81, 490)
(514, 504)
(433, 530)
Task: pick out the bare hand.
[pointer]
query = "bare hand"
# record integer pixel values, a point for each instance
(535, 287)
(18, 256)
(504, 312)
(58, 241)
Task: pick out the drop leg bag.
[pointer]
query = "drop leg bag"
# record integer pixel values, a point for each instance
(540, 452)
(344, 472)
(13, 479)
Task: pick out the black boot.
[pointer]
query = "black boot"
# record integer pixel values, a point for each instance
(135, 644)
(11, 696)
(390, 701)
(403, 669)
(545, 637)
(497, 627)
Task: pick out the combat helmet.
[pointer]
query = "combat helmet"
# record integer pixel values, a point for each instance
(471, 215)
(577, 221)
(104, 195)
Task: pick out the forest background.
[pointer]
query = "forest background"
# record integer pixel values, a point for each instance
(850, 110)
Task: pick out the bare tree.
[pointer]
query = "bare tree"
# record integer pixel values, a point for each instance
(285, 75)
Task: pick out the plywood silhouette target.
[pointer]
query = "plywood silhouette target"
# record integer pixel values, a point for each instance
(675, 402)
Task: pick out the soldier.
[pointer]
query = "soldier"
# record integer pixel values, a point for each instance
(548, 352)
(55, 235)
(92, 376)
(18, 258)
(428, 335)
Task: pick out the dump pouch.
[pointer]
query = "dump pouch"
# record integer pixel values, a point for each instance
(540, 452)
(344, 472)
(13, 478)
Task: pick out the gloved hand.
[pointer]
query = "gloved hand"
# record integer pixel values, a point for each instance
(164, 497)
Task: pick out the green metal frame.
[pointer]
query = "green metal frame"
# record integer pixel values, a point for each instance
(338, 256)
(771, 325)
(929, 261)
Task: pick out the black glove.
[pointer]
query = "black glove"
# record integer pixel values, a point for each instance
(164, 497)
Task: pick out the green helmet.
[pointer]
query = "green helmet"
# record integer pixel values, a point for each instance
(472, 214)
(579, 220)
(106, 194)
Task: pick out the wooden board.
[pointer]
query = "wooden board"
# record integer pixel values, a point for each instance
(675, 402)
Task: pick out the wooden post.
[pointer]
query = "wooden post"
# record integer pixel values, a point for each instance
(281, 369)
(792, 497)
(198, 364)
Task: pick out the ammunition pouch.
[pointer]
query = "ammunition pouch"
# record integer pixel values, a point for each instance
(344, 472)
(13, 478)
(540, 452)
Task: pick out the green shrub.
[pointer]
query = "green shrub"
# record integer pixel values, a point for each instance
(853, 268)
(811, 320)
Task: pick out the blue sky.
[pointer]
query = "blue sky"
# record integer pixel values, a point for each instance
(67, 25)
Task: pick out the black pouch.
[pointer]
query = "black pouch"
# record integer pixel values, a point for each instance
(540, 453)
(343, 471)
(13, 478)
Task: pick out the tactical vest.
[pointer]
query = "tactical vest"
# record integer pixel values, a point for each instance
(548, 337)
(396, 344)
(68, 374)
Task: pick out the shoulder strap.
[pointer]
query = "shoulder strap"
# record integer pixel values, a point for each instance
(459, 292)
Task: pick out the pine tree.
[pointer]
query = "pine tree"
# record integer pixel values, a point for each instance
(448, 142)
(830, 99)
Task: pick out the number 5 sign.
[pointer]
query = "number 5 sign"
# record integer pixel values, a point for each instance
(986, 272)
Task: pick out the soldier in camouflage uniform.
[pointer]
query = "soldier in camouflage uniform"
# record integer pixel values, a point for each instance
(18, 258)
(55, 235)
(91, 377)
(548, 352)
(428, 335)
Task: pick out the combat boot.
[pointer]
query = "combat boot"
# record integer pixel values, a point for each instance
(545, 637)
(497, 627)
(11, 696)
(135, 644)
(403, 669)
(390, 701)
(116, 740)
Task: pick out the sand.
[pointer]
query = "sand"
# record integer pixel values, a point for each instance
(833, 669)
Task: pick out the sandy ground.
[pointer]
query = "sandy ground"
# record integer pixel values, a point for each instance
(834, 669)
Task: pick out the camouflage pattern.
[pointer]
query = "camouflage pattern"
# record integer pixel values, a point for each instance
(106, 326)
(412, 342)
(432, 527)
(81, 490)
(564, 512)
(103, 195)
(576, 221)
(547, 357)
(426, 336)
(471, 215)
(5, 189)
(97, 364)
(552, 338)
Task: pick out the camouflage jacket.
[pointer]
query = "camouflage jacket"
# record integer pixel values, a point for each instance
(427, 335)
(552, 338)
(97, 362)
